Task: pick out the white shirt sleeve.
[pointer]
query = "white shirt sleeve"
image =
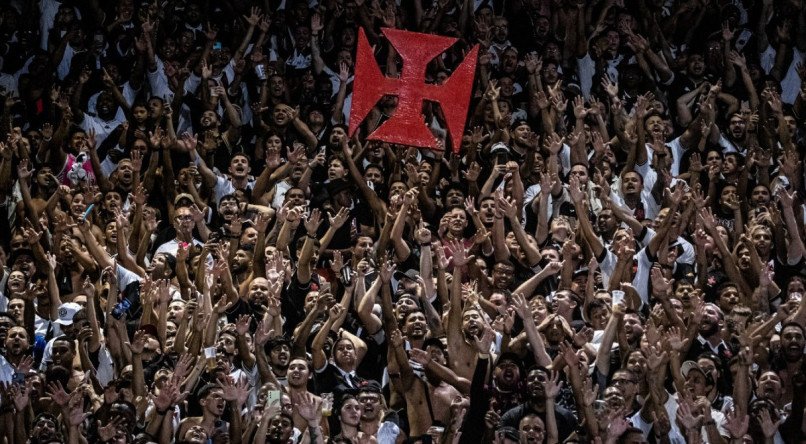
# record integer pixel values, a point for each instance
(159, 82)
(586, 68)
(222, 187)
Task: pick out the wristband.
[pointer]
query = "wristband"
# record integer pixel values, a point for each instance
(426, 244)
(163, 412)
(709, 423)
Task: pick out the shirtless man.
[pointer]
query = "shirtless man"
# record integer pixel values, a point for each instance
(213, 400)
(464, 325)
(298, 374)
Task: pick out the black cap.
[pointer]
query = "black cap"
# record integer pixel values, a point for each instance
(336, 186)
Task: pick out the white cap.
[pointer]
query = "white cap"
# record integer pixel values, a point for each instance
(66, 313)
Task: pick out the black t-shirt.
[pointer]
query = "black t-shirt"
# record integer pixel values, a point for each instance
(566, 422)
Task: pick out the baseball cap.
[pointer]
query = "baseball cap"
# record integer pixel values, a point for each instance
(67, 311)
(409, 274)
(181, 196)
(688, 366)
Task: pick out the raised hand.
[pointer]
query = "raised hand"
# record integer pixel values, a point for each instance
(552, 385)
(485, 340)
(686, 416)
(242, 324)
(254, 17)
(339, 219)
(521, 306)
(308, 406)
(421, 357)
(57, 394)
(460, 255)
(736, 425)
(313, 222)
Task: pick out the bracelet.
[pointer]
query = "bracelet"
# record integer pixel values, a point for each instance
(310, 235)
(710, 423)
(163, 412)
(425, 244)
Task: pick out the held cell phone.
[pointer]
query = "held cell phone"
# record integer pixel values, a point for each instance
(743, 38)
(87, 212)
(502, 158)
(260, 72)
(274, 398)
(217, 45)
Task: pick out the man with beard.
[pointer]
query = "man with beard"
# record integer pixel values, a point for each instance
(369, 184)
(280, 429)
(279, 357)
(16, 347)
(259, 296)
(506, 387)
(735, 139)
(107, 118)
(45, 429)
(536, 404)
(241, 265)
(463, 326)
(521, 146)
(709, 338)
(228, 211)
(232, 343)
(789, 360)
(213, 403)
(500, 42)
(147, 355)
(184, 223)
(374, 421)
(415, 328)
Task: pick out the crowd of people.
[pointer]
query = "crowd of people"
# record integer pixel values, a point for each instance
(196, 250)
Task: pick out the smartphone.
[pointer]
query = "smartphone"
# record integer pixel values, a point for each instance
(19, 378)
(87, 212)
(502, 158)
(260, 72)
(274, 399)
(743, 38)
(217, 45)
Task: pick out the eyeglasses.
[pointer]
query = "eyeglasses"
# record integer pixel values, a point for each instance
(183, 218)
